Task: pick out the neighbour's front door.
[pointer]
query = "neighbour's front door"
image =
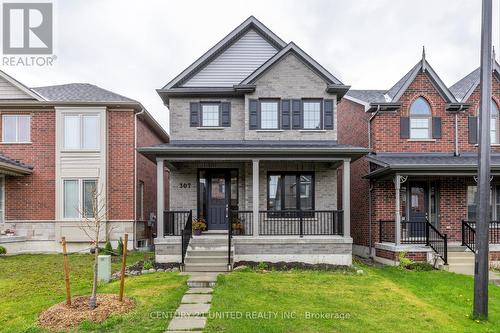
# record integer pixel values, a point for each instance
(419, 199)
(218, 199)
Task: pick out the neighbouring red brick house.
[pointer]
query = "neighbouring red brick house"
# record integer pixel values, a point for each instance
(58, 142)
(418, 184)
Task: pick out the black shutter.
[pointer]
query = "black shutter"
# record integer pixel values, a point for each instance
(404, 128)
(297, 118)
(328, 109)
(473, 130)
(285, 114)
(436, 127)
(253, 106)
(194, 114)
(225, 114)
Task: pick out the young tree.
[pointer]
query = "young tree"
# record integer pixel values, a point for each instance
(94, 214)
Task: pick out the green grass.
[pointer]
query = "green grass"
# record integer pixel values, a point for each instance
(381, 300)
(30, 284)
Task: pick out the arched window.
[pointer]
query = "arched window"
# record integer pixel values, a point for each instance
(420, 119)
(494, 123)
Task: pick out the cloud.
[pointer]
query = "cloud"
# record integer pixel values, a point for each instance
(134, 47)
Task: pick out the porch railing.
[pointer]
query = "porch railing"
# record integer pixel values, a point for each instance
(469, 233)
(437, 241)
(186, 235)
(415, 232)
(175, 221)
(411, 232)
(241, 222)
(300, 222)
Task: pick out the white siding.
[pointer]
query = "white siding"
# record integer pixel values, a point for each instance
(8, 91)
(235, 63)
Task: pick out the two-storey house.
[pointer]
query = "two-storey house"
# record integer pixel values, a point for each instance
(421, 174)
(58, 144)
(254, 154)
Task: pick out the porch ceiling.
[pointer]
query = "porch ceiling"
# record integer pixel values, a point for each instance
(252, 149)
(438, 164)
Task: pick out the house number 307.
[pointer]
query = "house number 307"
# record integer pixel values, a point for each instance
(185, 185)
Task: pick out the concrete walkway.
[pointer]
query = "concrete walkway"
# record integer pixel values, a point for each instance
(190, 316)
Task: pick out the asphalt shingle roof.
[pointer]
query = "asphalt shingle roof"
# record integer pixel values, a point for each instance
(369, 96)
(397, 87)
(80, 92)
(463, 86)
(8, 160)
(431, 159)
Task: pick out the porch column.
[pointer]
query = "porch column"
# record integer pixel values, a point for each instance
(397, 219)
(255, 196)
(346, 196)
(160, 197)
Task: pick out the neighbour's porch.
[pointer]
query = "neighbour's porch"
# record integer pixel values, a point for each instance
(274, 201)
(428, 201)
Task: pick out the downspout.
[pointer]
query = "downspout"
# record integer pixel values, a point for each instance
(135, 178)
(370, 243)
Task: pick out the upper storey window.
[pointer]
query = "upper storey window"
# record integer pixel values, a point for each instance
(81, 131)
(16, 128)
(210, 115)
(494, 123)
(312, 114)
(269, 115)
(420, 119)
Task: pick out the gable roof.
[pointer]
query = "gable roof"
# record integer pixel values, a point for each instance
(230, 39)
(80, 92)
(19, 90)
(396, 91)
(466, 86)
(307, 59)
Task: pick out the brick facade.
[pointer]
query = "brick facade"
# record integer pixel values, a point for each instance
(38, 189)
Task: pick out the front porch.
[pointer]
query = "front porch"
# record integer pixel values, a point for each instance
(273, 201)
(423, 206)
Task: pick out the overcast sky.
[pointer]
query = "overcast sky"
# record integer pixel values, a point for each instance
(135, 47)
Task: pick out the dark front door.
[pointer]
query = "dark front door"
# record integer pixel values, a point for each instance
(218, 199)
(419, 201)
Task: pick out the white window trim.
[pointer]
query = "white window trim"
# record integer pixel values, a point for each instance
(219, 109)
(81, 115)
(80, 197)
(17, 129)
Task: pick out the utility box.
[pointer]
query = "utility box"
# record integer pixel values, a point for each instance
(104, 268)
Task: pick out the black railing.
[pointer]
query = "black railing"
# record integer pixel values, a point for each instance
(411, 232)
(469, 233)
(241, 222)
(229, 237)
(186, 235)
(301, 223)
(175, 221)
(437, 241)
(415, 232)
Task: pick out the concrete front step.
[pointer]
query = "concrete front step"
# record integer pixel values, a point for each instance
(467, 269)
(459, 260)
(196, 259)
(206, 267)
(460, 255)
(205, 252)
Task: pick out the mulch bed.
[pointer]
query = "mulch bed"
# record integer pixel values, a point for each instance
(286, 266)
(156, 265)
(61, 316)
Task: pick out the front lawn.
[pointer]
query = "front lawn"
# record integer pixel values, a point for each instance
(380, 300)
(30, 284)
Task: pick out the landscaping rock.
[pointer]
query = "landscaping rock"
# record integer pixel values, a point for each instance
(144, 271)
(160, 270)
(359, 271)
(175, 269)
(152, 270)
(240, 268)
